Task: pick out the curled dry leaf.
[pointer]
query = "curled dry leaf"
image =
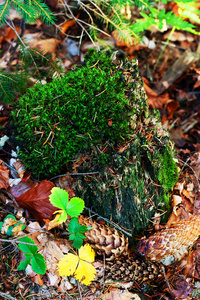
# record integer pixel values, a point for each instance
(53, 249)
(4, 176)
(65, 26)
(158, 101)
(20, 168)
(36, 201)
(46, 46)
(191, 264)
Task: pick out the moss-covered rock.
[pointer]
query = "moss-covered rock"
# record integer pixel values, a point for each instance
(99, 111)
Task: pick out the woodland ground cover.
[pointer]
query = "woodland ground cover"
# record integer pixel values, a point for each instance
(161, 52)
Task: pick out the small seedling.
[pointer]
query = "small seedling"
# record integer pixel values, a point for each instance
(73, 207)
(36, 260)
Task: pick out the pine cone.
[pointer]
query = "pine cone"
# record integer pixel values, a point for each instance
(104, 239)
(129, 268)
(171, 244)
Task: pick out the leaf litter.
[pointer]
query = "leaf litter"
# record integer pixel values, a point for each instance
(177, 106)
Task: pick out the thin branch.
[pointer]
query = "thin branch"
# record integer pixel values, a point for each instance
(18, 242)
(6, 296)
(78, 22)
(110, 222)
(74, 174)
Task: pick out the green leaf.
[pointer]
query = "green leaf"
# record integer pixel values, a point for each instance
(63, 216)
(59, 198)
(10, 217)
(1, 224)
(9, 231)
(27, 248)
(77, 239)
(23, 264)
(38, 264)
(75, 226)
(75, 206)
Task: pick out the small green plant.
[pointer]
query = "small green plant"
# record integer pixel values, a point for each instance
(73, 207)
(36, 260)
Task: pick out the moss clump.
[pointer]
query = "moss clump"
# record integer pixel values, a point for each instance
(57, 121)
(98, 114)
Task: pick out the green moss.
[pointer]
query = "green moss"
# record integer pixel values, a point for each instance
(57, 121)
(168, 170)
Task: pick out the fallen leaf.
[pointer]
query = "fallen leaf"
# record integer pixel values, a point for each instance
(116, 294)
(158, 101)
(183, 289)
(46, 46)
(65, 26)
(36, 200)
(20, 168)
(4, 176)
(79, 266)
(22, 187)
(10, 34)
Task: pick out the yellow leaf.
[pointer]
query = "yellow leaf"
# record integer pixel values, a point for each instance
(86, 253)
(79, 266)
(68, 264)
(85, 272)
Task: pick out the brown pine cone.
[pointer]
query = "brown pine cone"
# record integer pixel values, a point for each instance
(171, 244)
(132, 269)
(104, 239)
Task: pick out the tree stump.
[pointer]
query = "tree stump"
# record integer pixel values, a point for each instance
(98, 114)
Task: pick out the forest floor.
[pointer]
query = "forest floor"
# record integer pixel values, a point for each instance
(171, 73)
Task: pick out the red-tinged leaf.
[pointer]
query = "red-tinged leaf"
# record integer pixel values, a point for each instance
(22, 187)
(183, 289)
(172, 106)
(158, 101)
(36, 201)
(4, 175)
(65, 26)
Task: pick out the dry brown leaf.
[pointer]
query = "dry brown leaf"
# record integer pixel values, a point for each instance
(22, 187)
(116, 294)
(36, 201)
(53, 249)
(11, 34)
(46, 46)
(4, 176)
(190, 195)
(21, 170)
(158, 101)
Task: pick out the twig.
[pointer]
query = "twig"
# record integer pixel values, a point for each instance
(110, 222)
(78, 22)
(79, 288)
(17, 242)
(74, 174)
(16, 46)
(6, 296)
(167, 282)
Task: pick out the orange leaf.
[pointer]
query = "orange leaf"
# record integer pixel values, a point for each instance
(65, 26)
(46, 46)
(4, 175)
(36, 200)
